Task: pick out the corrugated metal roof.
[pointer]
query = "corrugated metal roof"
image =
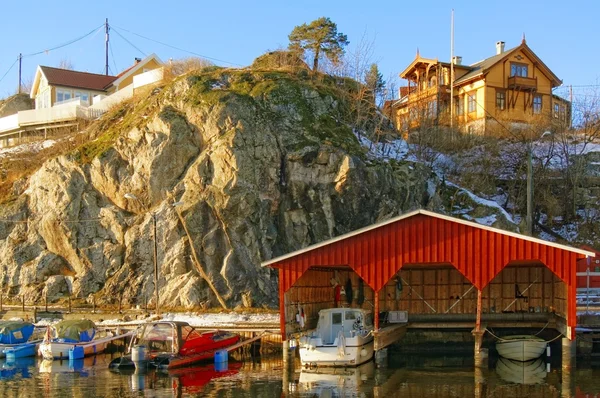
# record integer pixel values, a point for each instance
(75, 79)
(431, 214)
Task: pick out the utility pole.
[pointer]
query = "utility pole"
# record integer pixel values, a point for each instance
(452, 70)
(155, 264)
(530, 191)
(106, 29)
(20, 62)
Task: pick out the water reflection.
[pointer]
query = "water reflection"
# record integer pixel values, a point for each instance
(18, 367)
(334, 382)
(271, 377)
(530, 372)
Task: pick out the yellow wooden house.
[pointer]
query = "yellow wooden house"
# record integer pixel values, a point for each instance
(511, 88)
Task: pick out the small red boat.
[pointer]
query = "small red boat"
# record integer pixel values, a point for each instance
(170, 344)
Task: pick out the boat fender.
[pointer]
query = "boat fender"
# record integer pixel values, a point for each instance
(363, 352)
(338, 291)
(138, 353)
(398, 288)
(548, 350)
(360, 299)
(349, 292)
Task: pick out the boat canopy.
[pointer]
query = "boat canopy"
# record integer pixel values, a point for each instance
(15, 332)
(82, 330)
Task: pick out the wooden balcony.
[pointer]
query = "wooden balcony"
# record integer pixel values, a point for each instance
(522, 83)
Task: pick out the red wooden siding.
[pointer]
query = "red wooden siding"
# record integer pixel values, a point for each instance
(479, 254)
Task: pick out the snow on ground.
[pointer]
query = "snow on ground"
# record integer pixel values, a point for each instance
(224, 319)
(484, 202)
(216, 320)
(30, 147)
(396, 149)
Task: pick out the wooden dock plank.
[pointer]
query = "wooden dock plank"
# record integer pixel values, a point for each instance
(388, 335)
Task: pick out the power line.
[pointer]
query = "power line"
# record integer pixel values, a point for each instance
(130, 43)
(179, 49)
(113, 58)
(9, 69)
(64, 44)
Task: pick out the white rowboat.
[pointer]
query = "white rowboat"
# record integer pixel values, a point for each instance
(521, 347)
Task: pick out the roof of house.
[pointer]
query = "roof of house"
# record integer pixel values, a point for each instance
(75, 79)
(482, 67)
(479, 68)
(134, 68)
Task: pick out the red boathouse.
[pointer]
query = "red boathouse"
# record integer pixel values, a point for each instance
(444, 271)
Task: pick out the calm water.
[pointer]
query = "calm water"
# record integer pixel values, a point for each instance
(404, 376)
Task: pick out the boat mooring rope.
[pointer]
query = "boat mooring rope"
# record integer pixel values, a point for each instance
(504, 340)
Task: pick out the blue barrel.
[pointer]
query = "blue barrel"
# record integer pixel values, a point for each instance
(221, 356)
(76, 353)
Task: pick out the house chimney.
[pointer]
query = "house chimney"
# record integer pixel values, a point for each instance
(457, 60)
(138, 60)
(499, 47)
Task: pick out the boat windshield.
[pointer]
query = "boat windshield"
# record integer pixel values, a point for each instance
(159, 337)
(189, 333)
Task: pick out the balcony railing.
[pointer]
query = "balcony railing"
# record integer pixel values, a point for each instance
(522, 83)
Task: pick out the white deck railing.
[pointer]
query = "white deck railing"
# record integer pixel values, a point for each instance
(9, 123)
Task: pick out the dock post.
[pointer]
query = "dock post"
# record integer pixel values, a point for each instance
(568, 365)
(481, 354)
(381, 357)
(288, 366)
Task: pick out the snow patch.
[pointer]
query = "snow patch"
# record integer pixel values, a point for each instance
(396, 149)
(482, 201)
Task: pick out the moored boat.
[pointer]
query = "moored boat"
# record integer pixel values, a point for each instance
(15, 339)
(344, 337)
(521, 347)
(69, 335)
(171, 344)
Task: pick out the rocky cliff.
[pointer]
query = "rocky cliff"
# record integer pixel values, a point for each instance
(253, 164)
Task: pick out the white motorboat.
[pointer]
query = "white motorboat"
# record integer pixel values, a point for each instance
(68, 335)
(521, 347)
(344, 337)
(530, 372)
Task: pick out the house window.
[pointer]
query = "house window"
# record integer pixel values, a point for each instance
(537, 104)
(556, 110)
(460, 105)
(472, 101)
(518, 70)
(432, 109)
(63, 95)
(82, 95)
(500, 100)
(432, 81)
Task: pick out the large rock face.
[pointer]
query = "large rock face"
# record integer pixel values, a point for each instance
(259, 163)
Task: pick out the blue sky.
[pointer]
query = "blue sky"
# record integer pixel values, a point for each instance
(565, 37)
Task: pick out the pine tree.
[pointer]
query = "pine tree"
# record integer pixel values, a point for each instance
(320, 37)
(374, 82)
